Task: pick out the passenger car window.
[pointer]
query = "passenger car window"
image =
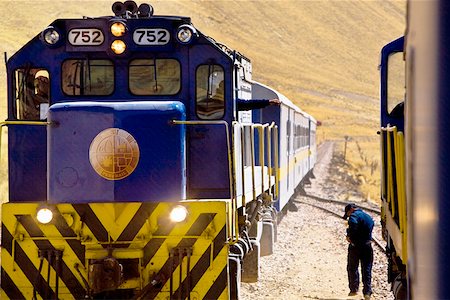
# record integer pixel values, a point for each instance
(82, 77)
(155, 77)
(210, 99)
(32, 93)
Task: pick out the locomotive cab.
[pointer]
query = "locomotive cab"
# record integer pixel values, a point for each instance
(83, 69)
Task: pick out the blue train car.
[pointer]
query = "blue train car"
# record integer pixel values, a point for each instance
(297, 149)
(393, 189)
(133, 173)
(415, 151)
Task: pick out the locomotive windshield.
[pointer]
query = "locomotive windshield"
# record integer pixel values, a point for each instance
(82, 77)
(155, 77)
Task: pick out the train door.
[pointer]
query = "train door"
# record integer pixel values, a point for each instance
(311, 144)
(29, 98)
(207, 145)
(290, 153)
(286, 157)
(288, 147)
(294, 146)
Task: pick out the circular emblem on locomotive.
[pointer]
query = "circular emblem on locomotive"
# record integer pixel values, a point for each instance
(114, 154)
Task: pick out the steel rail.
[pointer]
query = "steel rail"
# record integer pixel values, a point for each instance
(339, 215)
(374, 210)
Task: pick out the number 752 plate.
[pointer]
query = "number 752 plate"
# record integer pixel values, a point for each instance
(141, 36)
(86, 37)
(151, 36)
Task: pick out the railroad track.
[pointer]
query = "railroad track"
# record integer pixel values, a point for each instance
(365, 208)
(337, 212)
(336, 207)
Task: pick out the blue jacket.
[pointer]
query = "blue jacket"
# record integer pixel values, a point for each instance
(360, 227)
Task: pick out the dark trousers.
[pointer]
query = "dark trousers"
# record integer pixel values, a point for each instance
(360, 253)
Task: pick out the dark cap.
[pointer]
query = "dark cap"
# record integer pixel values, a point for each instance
(347, 208)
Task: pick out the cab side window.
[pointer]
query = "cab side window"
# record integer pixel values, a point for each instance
(32, 93)
(210, 98)
(396, 85)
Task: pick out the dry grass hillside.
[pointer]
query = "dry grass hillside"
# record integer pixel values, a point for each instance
(323, 55)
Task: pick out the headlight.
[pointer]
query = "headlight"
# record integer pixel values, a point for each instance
(178, 214)
(44, 215)
(186, 33)
(118, 47)
(118, 29)
(50, 35)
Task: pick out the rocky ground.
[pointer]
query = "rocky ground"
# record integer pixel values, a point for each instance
(311, 253)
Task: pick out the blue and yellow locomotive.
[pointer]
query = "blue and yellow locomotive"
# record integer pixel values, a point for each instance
(133, 173)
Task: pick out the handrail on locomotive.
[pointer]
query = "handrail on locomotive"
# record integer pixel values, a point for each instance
(6, 123)
(261, 128)
(232, 167)
(395, 190)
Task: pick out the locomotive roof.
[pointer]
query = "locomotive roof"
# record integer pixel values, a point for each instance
(182, 19)
(130, 12)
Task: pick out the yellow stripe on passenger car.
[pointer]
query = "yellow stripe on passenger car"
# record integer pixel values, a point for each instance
(299, 157)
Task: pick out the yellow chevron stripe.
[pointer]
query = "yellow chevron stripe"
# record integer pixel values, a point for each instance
(23, 283)
(179, 232)
(200, 247)
(30, 248)
(160, 210)
(224, 295)
(16, 275)
(69, 257)
(172, 240)
(115, 217)
(213, 272)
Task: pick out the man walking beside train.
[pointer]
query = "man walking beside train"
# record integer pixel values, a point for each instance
(359, 236)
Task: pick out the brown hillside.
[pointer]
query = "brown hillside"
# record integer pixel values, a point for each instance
(323, 55)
